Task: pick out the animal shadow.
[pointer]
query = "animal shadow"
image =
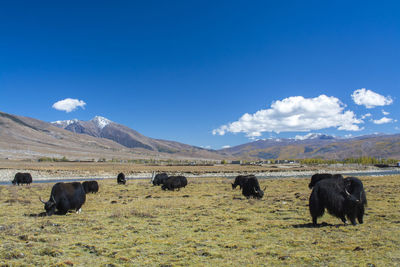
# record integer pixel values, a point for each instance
(41, 214)
(310, 225)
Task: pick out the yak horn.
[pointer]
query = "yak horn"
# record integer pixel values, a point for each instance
(42, 200)
(347, 192)
(52, 197)
(264, 188)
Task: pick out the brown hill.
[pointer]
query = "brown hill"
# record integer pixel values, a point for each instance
(25, 138)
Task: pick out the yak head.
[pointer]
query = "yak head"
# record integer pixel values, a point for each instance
(352, 198)
(234, 186)
(259, 193)
(49, 206)
(14, 181)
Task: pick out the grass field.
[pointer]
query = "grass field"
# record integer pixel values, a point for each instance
(206, 223)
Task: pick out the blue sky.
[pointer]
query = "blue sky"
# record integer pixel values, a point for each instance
(189, 71)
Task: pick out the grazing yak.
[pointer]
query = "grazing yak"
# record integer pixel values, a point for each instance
(341, 197)
(90, 186)
(121, 178)
(159, 179)
(65, 197)
(174, 182)
(240, 180)
(251, 187)
(22, 178)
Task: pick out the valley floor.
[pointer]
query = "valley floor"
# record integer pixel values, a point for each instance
(206, 223)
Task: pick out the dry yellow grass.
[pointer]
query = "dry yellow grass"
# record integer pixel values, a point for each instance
(206, 223)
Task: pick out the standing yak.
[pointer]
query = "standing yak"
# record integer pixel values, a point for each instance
(355, 187)
(90, 186)
(65, 197)
(159, 179)
(339, 198)
(174, 182)
(251, 188)
(121, 178)
(240, 180)
(321, 176)
(22, 178)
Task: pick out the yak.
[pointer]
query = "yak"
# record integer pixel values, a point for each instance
(90, 186)
(334, 195)
(121, 178)
(355, 188)
(321, 176)
(159, 179)
(174, 182)
(65, 197)
(240, 180)
(22, 178)
(251, 188)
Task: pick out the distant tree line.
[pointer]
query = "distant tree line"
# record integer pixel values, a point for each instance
(360, 160)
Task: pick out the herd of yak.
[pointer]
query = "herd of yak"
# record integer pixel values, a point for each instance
(342, 197)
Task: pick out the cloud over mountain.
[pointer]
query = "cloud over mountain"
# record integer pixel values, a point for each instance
(370, 99)
(69, 104)
(295, 114)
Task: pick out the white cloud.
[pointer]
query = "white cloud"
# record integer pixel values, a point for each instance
(383, 120)
(370, 99)
(69, 104)
(227, 146)
(385, 113)
(295, 114)
(366, 115)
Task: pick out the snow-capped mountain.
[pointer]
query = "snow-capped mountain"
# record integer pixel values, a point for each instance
(101, 122)
(312, 136)
(105, 128)
(63, 124)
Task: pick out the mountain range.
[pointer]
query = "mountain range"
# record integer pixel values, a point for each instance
(24, 137)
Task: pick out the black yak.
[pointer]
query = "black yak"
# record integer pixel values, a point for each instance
(65, 197)
(321, 176)
(121, 178)
(240, 180)
(334, 195)
(159, 179)
(355, 188)
(22, 178)
(251, 188)
(90, 186)
(174, 182)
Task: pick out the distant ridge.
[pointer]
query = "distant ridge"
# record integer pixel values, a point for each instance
(319, 146)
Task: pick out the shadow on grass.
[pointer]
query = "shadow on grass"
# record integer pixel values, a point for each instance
(310, 225)
(41, 214)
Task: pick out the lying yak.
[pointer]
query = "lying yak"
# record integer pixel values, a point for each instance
(251, 188)
(90, 186)
(159, 179)
(342, 199)
(174, 182)
(65, 197)
(121, 178)
(22, 178)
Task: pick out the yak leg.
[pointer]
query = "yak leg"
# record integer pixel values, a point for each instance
(360, 213)
(316, 206)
